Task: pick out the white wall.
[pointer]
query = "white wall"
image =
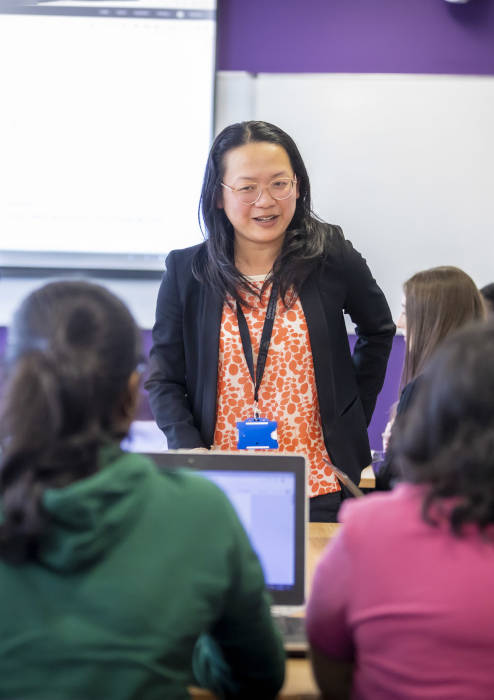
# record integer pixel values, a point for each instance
(402, 162)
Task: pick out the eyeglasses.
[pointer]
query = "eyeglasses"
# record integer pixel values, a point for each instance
(250, 192)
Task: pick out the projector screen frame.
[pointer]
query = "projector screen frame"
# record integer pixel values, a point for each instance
(125, 264)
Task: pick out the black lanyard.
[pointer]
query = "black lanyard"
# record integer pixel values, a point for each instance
(267, 331)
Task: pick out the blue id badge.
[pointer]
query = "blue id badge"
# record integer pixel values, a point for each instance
(257, 434)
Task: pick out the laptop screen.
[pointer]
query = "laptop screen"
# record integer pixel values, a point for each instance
(268, 493)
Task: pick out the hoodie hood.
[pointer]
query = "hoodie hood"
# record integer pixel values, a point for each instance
(89, 516)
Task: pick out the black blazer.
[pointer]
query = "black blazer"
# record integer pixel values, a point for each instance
(184, 356)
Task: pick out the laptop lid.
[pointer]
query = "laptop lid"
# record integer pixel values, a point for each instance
(268, 493)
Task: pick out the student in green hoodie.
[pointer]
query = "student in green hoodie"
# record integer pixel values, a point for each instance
(116, 579)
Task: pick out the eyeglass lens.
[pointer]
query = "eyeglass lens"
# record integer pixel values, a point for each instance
(278, 189)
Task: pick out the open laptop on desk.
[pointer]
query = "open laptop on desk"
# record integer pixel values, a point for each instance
(268, 493)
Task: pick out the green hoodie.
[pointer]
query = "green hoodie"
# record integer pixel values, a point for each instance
(137, 564)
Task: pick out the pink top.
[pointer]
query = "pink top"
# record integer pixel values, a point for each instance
(411, 604)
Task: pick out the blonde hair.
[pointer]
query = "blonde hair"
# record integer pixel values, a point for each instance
(438, 301)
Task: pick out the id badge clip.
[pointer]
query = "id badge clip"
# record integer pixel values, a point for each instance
(257, 433)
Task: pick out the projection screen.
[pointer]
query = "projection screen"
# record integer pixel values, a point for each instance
(105, 126)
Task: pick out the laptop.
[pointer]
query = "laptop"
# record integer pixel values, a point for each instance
(268, 492)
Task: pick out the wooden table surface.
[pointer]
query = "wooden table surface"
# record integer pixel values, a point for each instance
(299, 683)
(367, 478)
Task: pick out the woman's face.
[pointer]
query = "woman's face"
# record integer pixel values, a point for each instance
(265, 222)
(402, 318)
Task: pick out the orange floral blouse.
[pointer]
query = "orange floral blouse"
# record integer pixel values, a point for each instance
(288, 390)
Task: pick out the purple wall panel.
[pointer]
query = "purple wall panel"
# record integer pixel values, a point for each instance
(389, 392)
(356, 36)
(143, 411)
(3, 338)
(388, 395)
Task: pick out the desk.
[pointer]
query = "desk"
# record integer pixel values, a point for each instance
(319, 536)
(367, 478)
(299, 682)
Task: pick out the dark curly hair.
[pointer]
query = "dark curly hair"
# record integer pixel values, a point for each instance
(488, 294)
(446, 439)
(71, 349)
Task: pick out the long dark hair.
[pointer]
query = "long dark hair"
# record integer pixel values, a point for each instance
(438, 301)
(488, 295)
(71, 349)
(446, 439)
(306, 239)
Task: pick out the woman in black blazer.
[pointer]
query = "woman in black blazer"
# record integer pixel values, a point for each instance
(256, 209)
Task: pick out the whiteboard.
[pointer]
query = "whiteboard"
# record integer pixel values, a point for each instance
(404, 163)
(105, 127)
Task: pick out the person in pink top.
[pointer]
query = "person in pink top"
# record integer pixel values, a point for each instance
(402, 604)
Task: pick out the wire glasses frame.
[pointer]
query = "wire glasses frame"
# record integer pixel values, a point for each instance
(280, 188)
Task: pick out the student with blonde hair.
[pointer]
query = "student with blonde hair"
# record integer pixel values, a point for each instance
(437, 302)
